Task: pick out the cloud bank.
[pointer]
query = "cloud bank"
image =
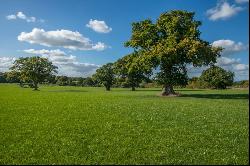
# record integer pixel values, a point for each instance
(60, 38)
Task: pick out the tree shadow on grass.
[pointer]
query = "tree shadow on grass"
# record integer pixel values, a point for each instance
(69, 90)
(190, 90)
(159, 90)
(217, 96)
(136, 90)
(145, 90)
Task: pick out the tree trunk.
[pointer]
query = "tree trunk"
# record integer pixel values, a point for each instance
(133, 88)
(168, 90)
(35, 86)
(21, 84)
(107, 88)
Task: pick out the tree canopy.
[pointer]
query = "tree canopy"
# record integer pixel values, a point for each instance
(170, 44)
(217, 77)
(128, 68)
(105, 75)
(33, 69)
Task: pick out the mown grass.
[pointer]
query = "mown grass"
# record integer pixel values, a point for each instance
(78, 125)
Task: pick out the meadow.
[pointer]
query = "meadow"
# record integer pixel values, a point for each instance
(85, 125)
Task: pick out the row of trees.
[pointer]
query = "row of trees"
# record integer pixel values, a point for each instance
(123, 73)
(241, 84)
(9, 77)
(162, 50)
(214, 77)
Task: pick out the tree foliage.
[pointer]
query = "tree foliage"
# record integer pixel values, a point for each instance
(217, 77)
(3, 77)
(170, 44)
(89, 81)
(194, 83)
(33, 69)
(130, 70)
(241, 84)
(105, 75)
(62, 80)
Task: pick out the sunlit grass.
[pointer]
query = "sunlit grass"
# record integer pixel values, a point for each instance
(78, 125)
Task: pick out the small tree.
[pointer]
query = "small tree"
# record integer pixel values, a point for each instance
(105, 75)
(129, 69)
(217, 77)
(62, 80)
(193, 83)
(88, 82)
(33, 69)
(51, 79)
(171, 44)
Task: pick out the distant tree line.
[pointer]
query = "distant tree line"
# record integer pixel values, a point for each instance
(6, 77)
(70, 81)
(241, 84)
(219, 79)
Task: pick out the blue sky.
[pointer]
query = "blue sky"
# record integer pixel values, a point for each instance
(58, 30)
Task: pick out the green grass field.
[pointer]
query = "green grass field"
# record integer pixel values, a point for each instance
(79, 125)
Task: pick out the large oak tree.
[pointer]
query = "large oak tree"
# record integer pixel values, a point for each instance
(170, 44)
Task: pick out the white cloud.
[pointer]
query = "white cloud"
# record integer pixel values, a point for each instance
(56, 52)
(223, 11)
(224, 61)
(241, 67)
(76, 69)
(11, 17)
(60, 38)
(67, 64)
(6, 63)
(100, 46)
(98, 26)
(241, 1)
(21, 15)
(230, 47)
